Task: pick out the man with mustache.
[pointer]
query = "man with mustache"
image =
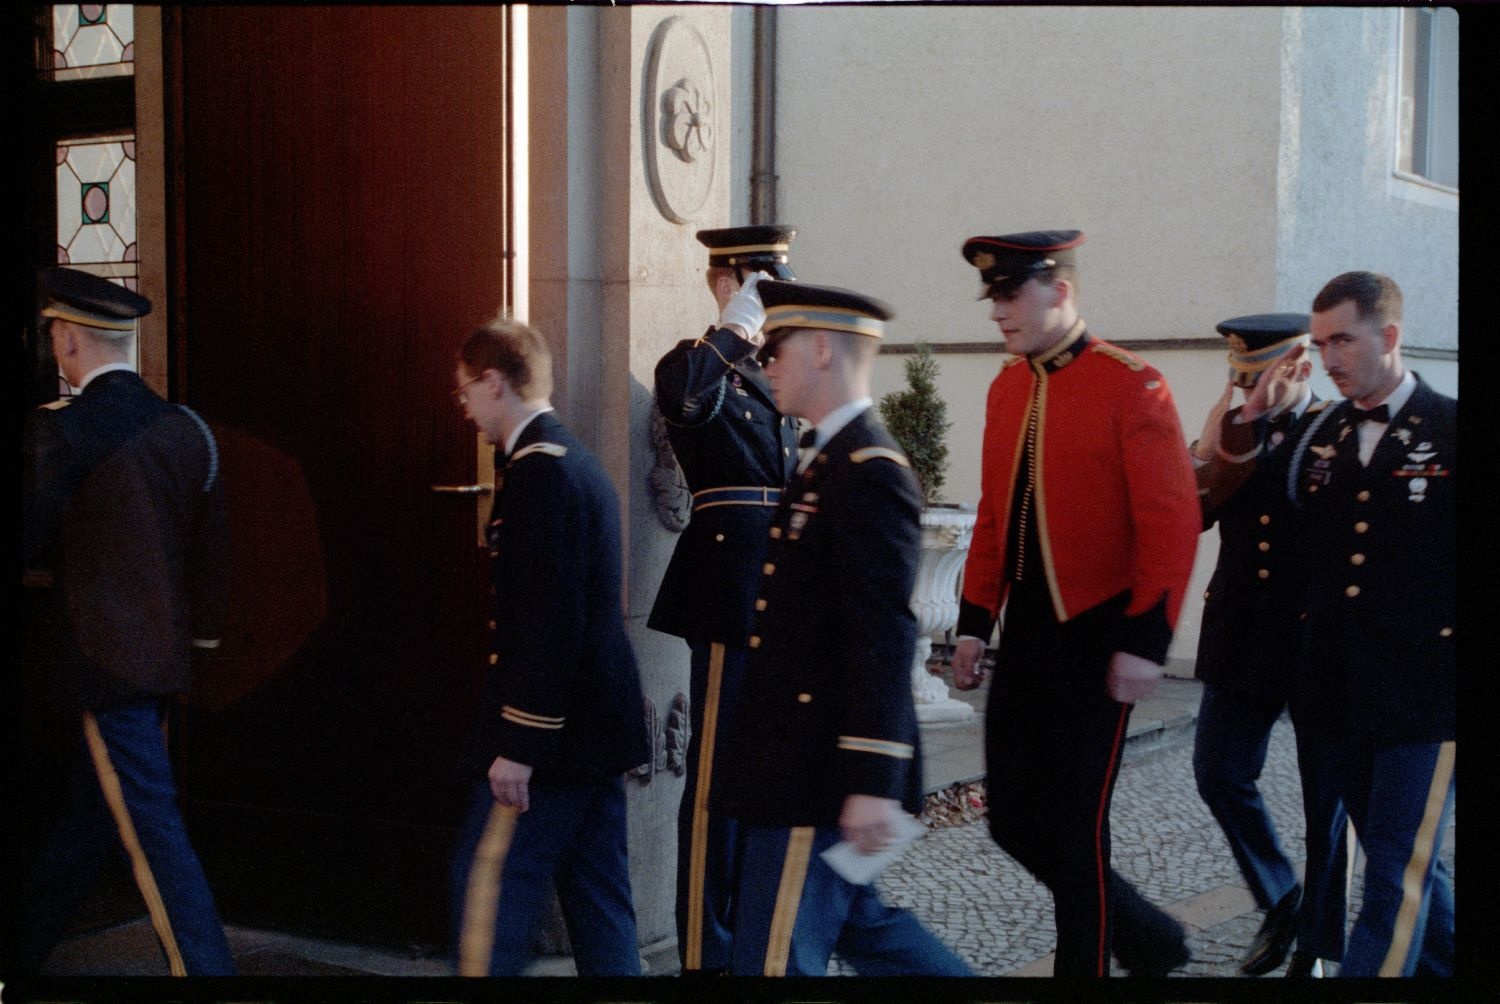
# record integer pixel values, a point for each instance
(1373, 482)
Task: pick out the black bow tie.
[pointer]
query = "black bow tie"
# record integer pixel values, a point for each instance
(808, 439)
(1380, 413)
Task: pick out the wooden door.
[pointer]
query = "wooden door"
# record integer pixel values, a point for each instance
(341, 224)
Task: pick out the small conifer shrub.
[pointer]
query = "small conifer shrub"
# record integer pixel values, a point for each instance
(918, 418)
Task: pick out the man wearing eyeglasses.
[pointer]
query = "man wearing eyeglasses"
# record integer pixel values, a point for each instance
(561, 717)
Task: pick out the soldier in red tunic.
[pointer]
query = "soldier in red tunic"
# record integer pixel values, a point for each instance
(1088, 524)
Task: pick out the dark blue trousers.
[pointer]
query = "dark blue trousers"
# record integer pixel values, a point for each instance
(1229, 752)
(707, 852)
(792, 912)
(122, 795)
(508, 863)
(1401, 801)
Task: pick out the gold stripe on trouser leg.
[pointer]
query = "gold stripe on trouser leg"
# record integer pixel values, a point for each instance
(788, 899)
(482, 897)
(1423, 848)
(114, 797)
(692, 956)
(1351, 856)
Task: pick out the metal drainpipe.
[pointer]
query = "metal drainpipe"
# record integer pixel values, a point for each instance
(763, 119)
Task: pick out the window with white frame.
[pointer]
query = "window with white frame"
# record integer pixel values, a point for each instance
(1427, 135)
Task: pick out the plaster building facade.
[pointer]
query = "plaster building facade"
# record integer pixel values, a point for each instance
(1222, 161)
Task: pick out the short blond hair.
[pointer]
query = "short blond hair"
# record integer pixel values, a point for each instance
(515, 350)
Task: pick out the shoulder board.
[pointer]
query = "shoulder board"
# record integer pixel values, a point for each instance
(550, 449)
(1119, 355)
(878, 453)
(60, 403)
(1317, 406)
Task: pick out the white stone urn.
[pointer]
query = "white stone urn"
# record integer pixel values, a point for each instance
(946, 535)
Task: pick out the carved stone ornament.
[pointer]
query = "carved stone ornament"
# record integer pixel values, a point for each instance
(688, 121)
(681, 120)
(679, 734)
(669, 489)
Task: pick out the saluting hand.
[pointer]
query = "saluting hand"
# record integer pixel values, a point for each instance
(1279, 385)
(509, 783)
(744, 312)
(967, 673)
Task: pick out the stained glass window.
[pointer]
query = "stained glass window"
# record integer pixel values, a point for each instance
(86, 55)
(96, 200)
(96, 210)
(92, 40)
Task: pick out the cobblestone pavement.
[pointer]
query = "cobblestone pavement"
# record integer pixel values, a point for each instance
(999, 919)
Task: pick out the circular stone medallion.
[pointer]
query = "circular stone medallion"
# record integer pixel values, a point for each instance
(681, 123)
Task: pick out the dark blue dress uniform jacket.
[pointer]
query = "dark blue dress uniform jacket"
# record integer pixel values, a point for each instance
(1248, 641)
(725, 430)
(124, 506)
(1379, 542)
(563, 693)
(827, 709)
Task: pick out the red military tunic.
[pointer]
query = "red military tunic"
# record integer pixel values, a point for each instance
(1114, 505)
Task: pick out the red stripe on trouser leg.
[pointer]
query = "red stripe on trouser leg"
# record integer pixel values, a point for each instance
(1101, 866)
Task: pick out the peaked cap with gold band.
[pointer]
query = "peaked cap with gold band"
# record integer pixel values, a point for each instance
(87, 299)
(760, 248)
(1258, 340)
(1007, 261)
(791, 306)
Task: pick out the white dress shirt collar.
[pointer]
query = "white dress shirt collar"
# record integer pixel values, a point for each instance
(1397, 398)
(100, 371)
(831, 425)
(515, 434)
(1370, 432)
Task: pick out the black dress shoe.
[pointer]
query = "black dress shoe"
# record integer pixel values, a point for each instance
(1304, 965)
(1275, 937)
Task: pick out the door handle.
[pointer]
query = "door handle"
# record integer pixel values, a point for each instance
(463, 489)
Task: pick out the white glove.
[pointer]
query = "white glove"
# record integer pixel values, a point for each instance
(744, 309)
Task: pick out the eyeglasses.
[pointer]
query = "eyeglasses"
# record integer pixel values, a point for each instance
(459, 394)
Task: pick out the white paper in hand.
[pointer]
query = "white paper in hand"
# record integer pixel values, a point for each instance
(861, 869)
